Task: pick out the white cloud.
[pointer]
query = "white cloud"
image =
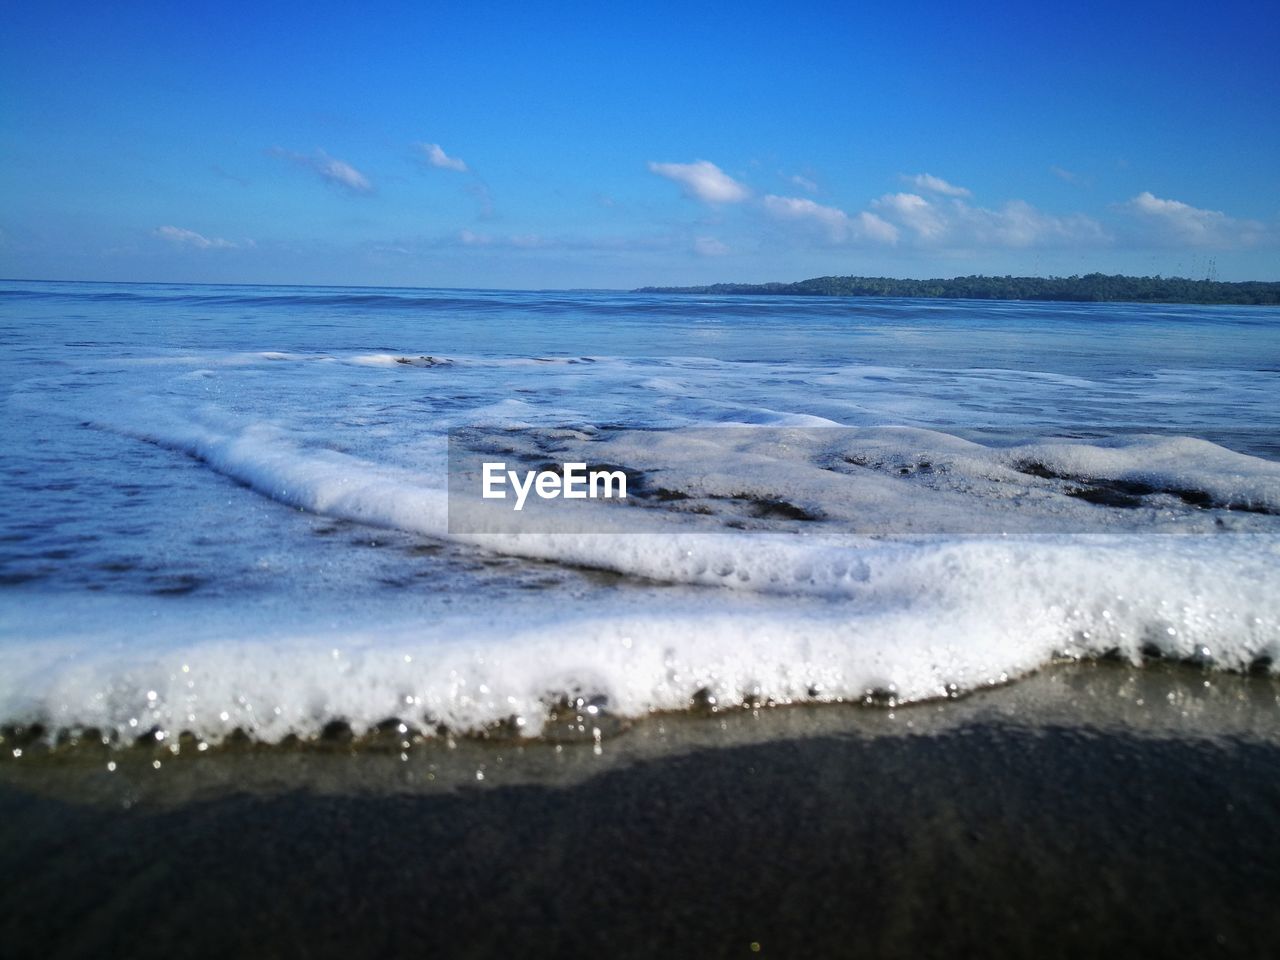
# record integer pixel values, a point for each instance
(1178, 223)
(915, 212)
(342, 173)
(189, 238)
(839, 226)
(436, 156)
(801, 208)
(1066, 175)
(330, 169)
(1018, 224)
(877, 228)
(709, 247)
(703, 181)
(931, 184)
(959, 224)
(520, 241)
(804, 183)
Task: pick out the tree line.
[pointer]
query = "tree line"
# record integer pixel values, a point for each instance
(1091, 288)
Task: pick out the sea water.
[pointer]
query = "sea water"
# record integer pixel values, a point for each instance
(229, 507)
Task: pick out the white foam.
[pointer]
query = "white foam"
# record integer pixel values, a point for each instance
(925, 622)
(770, 615)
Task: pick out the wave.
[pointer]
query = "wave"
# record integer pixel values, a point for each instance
(750, 617)
(797, 534)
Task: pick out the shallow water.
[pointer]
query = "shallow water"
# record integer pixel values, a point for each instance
(227, 507)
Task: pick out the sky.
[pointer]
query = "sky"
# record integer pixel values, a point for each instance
(564, 145)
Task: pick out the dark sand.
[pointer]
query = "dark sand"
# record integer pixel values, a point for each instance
(1089, 811)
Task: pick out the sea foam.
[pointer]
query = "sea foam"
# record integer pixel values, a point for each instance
(909, 583)
(230, 508)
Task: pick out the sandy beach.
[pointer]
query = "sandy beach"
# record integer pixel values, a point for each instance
(1095, 809)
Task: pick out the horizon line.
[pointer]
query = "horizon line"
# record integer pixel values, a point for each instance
(649, 287)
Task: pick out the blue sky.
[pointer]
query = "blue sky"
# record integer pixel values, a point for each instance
(582, 145)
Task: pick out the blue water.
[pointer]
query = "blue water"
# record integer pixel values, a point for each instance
(1067, 338)
(179, 464)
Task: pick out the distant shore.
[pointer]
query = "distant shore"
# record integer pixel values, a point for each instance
(1091, 288)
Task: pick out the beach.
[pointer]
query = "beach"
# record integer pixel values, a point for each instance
(1048, 818)
(518, 481)
(918, 629)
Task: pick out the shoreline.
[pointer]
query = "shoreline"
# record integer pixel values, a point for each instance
(1044, 818)
(1159, 700)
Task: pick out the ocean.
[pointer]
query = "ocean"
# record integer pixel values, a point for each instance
(228, 509)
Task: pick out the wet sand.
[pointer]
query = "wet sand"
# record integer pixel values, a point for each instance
(1094, 810)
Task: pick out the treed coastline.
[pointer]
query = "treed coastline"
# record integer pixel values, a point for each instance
(1093, 287)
